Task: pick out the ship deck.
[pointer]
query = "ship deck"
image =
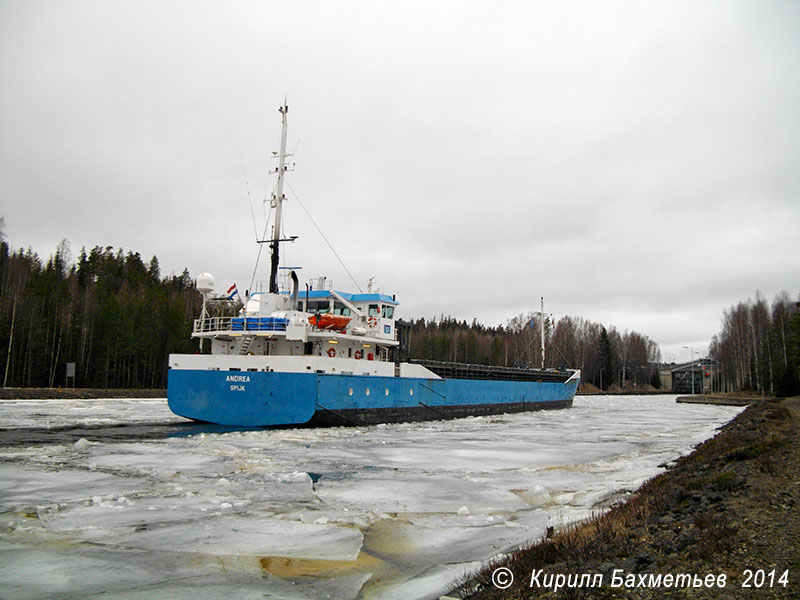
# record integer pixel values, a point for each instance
(453, 370)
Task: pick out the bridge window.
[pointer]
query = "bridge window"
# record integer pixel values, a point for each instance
(340, 309)
(374, 310)
(320, 306)
(388, 312)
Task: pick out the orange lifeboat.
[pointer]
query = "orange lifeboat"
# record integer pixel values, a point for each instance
(330, 321)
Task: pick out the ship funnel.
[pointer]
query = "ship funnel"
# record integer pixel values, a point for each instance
(295, 288)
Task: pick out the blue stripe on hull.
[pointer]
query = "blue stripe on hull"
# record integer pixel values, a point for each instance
(256, 398)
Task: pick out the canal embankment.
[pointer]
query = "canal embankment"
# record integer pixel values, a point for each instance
(724, 518)
(723, 399)
(67, 393)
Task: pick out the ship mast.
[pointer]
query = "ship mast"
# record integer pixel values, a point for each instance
(277, 203)
(542, 323)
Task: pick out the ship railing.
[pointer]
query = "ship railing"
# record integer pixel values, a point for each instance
(212, 324)
(239, 324)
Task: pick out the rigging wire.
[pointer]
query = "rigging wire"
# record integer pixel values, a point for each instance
(266, 228)
(260, 249)
(249, 199)
(341, 262)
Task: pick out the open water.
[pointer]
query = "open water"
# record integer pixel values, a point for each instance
(119, 498)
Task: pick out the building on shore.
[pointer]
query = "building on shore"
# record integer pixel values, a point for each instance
(700, 376)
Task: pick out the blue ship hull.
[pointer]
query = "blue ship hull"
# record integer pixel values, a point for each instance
(263, 399)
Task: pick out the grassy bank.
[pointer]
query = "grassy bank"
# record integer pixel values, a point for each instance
(729, 507)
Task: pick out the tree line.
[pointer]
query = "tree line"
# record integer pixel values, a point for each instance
(606, 357)
(118, 320)
(111, 314)
(758, 347)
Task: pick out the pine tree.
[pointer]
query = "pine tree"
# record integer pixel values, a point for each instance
(604, 352)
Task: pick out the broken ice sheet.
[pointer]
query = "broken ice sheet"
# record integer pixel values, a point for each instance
(371, 512)
(223, 534)
(22, 486)
(406, 493)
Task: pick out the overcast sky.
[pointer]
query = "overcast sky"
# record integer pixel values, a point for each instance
(635, 163)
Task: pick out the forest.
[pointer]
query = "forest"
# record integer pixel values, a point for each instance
(607, 358)
(758, 347)
(112, 315)
(118, 319)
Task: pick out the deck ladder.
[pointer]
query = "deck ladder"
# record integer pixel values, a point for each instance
(248, 339)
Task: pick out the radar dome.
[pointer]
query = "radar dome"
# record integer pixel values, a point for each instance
(205, 283)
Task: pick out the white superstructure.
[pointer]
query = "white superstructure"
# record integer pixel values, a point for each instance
(317, 322)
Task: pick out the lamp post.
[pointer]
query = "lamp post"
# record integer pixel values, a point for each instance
(692, 371)
(706, 371)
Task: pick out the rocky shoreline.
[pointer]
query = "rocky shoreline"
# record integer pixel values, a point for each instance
(724, 518)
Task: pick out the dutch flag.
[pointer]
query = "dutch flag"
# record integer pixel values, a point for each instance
(232, 291)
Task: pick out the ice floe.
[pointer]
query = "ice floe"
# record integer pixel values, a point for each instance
(165, 509)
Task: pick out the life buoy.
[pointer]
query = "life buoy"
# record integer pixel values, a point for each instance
(373, 321)
(357, 355)
(331, 352)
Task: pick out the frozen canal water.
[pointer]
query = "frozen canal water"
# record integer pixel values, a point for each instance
(118, 498)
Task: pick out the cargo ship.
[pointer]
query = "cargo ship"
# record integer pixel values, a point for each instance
(321, 356)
